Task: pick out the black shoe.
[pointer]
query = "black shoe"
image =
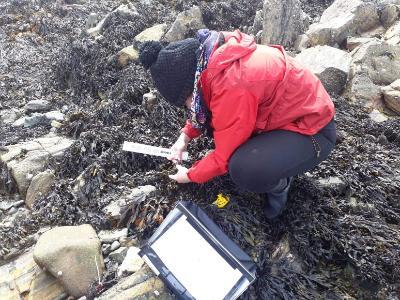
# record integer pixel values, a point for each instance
(277, 198)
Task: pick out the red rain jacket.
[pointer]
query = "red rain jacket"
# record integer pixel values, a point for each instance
(252, 88)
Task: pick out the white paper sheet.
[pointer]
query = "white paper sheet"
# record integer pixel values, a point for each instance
(195, 263)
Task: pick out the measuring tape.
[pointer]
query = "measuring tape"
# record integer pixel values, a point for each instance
(221, 201)
(151, 150)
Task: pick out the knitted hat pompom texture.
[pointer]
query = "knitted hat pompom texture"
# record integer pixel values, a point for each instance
(172, 68)
(149, 53)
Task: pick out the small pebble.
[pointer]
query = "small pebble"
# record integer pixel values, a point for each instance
(59, 273)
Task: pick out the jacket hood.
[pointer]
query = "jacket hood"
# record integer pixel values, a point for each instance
(237, 45)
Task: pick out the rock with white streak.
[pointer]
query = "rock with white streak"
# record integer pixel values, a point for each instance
(187, 22)
(154, 33)
(331, 65)
(342, 19)
(354, 42)
(73, 255)
(118, 255)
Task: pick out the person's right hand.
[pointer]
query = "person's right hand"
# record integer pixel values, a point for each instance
(179, 147)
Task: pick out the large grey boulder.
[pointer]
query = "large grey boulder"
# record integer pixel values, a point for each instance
(39, 186)
(331, 65)
(27, 159)
(374, 64)
(141, 285)
(283, 22)
(186, 23)
(342, 19)
(73, 255)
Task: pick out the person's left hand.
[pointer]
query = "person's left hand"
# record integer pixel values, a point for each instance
(181, 176)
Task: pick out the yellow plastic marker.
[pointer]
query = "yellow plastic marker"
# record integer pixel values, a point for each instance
(221, 201)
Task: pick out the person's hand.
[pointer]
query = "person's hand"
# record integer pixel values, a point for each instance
(179, 147)
(180, 176)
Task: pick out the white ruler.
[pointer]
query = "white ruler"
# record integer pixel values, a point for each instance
(151, 150)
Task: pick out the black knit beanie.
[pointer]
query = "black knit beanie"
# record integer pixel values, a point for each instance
(172, 68)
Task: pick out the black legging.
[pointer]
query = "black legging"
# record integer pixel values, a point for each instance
(260, 163)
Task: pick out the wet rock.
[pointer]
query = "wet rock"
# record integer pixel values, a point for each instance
(392, 96)
(27, 159)
(149, 101)
(186, 23)
(115, 208)
(23, 279)
(37, 106)
(72, 254)
(377, 116)
(141, 285)
(333, 183)
(126, 55)
(392, 35)
(283, 22)
(39, 186)
(115, 245)
(109, 236)
(331, 65)
(374, 64)
(389, 14)
(9, 116)
(132, 262)
(35, 119)
(342, 19)
(353, 42)
(118, 255)
(154, 33)
(55, 116)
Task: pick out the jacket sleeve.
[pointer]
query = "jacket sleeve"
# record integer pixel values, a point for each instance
(190, 131)
(234, 113)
